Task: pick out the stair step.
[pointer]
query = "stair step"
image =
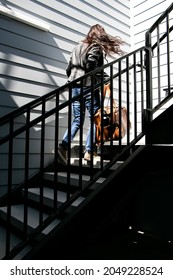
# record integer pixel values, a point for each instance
(17, 222)
(48, 196)
(116, 165)
(85, 163)
(96, 163)
(74, 178)
(17, 213)
(14, 241)
(17, 216)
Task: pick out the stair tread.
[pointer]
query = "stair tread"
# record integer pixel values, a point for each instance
(17, 212)
(96, 163)
(49, 193)
(74, 177)
(14, 240)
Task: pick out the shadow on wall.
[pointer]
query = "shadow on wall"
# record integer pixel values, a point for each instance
(32, 64)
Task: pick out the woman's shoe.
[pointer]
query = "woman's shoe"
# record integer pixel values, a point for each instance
(87, 156)
(63, 154)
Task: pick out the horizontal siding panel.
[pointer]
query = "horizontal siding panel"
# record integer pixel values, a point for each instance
(148, 16)
(34, 90)
(11, 99)
(98, 10)
(119, 5)
(144, 26)
(163, 59)
(34, 47)
(18, 176)
(164, 83)
(19, 145)
(137, 3)
(53, 12)
(19, 160)
(114, 11)
(163, 71)
(66, 13)
(139, 9)
(23, 73)
(32, 61)
(146, 13)
(41, 37)
(141, 29)
(97, 7)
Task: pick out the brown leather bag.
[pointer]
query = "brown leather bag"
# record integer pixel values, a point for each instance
(111, 126)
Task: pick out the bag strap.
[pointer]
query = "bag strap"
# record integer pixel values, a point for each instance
(107, 90)
(106, 94)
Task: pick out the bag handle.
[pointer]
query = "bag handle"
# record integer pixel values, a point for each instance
(107, 90)
(107, 95)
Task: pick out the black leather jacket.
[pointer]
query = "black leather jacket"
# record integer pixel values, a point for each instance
(82, 62)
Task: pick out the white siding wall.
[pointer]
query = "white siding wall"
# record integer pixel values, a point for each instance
(145, 13)
(33, 61)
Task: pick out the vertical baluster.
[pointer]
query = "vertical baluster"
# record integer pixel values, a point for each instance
(119, 98)
(27, 142)
(135, 95)
(55, 201)
(168, 53)
(81, 134)
(128, 99)
(158, 63)
(10, 175)
(69, 139)
(42, 151)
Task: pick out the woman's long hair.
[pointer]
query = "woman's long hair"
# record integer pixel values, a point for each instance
(108, 43)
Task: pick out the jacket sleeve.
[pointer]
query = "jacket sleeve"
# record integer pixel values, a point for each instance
(68, 69)
(94, 60)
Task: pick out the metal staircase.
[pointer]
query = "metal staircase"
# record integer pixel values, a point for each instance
(55, 204)
(48, 186)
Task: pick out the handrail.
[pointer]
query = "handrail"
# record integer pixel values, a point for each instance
(52, 94)
(162, 38)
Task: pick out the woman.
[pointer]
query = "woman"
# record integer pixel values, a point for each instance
(88, 55)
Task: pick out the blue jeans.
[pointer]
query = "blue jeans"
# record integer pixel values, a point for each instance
(76, 123)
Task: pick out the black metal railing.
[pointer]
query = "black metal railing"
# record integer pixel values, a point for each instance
(50, 107)
(159, 38)
(131, 81)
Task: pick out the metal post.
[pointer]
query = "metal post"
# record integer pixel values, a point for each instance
(147, 113)
(148, 63)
